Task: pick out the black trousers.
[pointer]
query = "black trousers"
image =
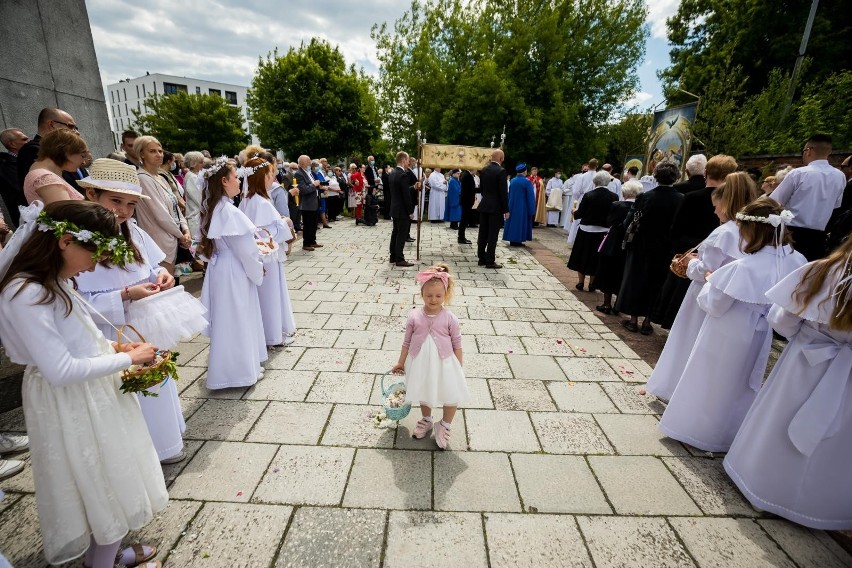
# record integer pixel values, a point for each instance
(809, 242)
(309, 228)
(401, 226)
(295, 212)
(465, 221)
(489, 229)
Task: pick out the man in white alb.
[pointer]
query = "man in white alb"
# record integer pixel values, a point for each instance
(437, 196)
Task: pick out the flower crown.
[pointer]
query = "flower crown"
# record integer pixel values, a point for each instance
(245, 172)
(115, 246)
(217, 165)
(775, 220)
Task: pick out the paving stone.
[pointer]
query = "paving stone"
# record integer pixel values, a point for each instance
(486, 366)
(586, 369)
(633, 542)
(593, 348)
(360, 339)
(20, 539)
(13, 421)
(284, 358)
(188, 351)
(540, 367)
(515, 431)
(190, 406)
(499, 344)
(628, 400)
(631, 371)
(634, 434)
(171, 471)
(649, 489)
(476, 327)
(580, 397)
(460, 482)
(166, 527)
(224, 420)
(707, 483)
(624, 350)
(558, 484)
(186, 377)
(333, 538)
(310, 321)
(390, 479)
(514, 328)
(524, 314)
(316, 338)
(486, 313)
(372, 309)
(413, 536)
(290, 423)
(561, 316)
(321, 359)
(7, 501)
(458, 439)
(373, 361)
(387, 323)
(807, 547)
(556, 347)
(223, 471)
(282, 385)
(232, 534)
(729, 543)
(513, 394)
(349, 388)
(305, 475)
(347, 322)
(351, 426)
(534, 540)
(339, 309)
(562, 433)
(304, 306)
(556, 330)
(21, 482)
(198, 389)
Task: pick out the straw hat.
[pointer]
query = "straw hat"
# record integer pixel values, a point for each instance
(112, 175)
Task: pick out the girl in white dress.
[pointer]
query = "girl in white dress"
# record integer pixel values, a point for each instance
(721, 247)
(234, 271)
(95, 469)
(792, 454)
(279, 325)
(115, 295)
(725, 368)
(431, 356)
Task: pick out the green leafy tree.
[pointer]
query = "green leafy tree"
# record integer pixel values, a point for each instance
(627, 136)
(184, 122)
(550, 72)
(308, 101)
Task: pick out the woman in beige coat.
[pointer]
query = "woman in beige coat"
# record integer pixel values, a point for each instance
(160, 216)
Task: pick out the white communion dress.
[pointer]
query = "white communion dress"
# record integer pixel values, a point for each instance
(237, 344)
(163, 319)
(95, 469)
(431, 379)
(274, 295)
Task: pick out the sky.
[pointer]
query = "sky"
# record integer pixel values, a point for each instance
(220, 40)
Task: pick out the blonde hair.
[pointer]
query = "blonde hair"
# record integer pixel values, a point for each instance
(441, 267)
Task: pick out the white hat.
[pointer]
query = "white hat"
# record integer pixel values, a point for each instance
(112, 175)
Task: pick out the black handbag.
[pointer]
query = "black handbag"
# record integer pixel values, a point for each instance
(631, 231)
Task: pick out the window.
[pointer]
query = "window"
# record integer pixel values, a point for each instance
(116, 124)
(138, 106)
(197, 90)
(125, 93)
(144, 94)
(231, 97)
(216, 92)
(137, 91)
(155, 87)
(173, 88)
(126, 112)
(112, 96)
(117, 110)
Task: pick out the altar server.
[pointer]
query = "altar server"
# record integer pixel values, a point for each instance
(437, 196)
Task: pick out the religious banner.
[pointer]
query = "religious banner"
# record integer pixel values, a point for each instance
(447, 156)
(671, 137)
(631, 160)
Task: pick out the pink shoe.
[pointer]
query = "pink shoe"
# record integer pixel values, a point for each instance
(442, 435)
(422, 429)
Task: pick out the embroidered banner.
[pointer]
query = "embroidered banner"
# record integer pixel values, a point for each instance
(447, 156)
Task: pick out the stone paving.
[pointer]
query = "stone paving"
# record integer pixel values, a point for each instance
(556, 460)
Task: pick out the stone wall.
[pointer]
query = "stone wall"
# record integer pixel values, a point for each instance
(48, 59)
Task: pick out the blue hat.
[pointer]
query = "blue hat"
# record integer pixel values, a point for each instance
(455, 171)
(522, 167)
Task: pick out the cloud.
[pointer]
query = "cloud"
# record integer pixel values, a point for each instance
(221, 40)
(658, 11)
(638, 99)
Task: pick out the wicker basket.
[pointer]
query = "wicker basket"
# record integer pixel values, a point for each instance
(147, 376)
(265, 241)
(677, 267)
(391, 412)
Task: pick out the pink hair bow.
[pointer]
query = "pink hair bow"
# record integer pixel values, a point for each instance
(427, 275)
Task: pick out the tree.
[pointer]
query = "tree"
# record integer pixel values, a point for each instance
(308, 101)
(550, 72)
(183, 122)
(627, 136)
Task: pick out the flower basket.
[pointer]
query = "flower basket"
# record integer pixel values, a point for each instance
(394, 406)
(139, 378)
(265, 244)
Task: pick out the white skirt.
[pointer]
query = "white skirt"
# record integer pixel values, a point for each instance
(96, 472)
(167, 317)
(434, 381)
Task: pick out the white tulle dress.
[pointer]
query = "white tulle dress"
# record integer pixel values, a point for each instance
(726, 366)
(163, 319)
(237, 343)
(721, 247)
(95, 469)
(274, 295)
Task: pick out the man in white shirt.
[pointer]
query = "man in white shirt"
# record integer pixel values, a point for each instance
(811, 193)
(568, 196)
(583, 185)
(614, 183)
(437, 196)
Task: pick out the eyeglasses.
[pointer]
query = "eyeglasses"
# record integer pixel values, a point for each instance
(73, 127)
(807, 148)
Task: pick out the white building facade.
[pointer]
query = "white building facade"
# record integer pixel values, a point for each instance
(130, 94)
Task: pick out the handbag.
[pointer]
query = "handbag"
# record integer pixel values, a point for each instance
(631, 231)
(677, 267)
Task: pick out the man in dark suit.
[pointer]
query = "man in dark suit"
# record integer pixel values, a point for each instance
(468, 194)
(695, 170)
(309, 203)
(414, 186)
(49, 119)
(493, 209)
(402, 207)
(13, 139)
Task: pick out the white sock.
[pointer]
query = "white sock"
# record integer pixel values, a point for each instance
(446, 425)
(427, 418)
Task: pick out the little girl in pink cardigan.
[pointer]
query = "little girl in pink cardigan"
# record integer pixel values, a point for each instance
(431, 356)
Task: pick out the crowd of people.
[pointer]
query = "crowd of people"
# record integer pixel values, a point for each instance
(99, 247)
